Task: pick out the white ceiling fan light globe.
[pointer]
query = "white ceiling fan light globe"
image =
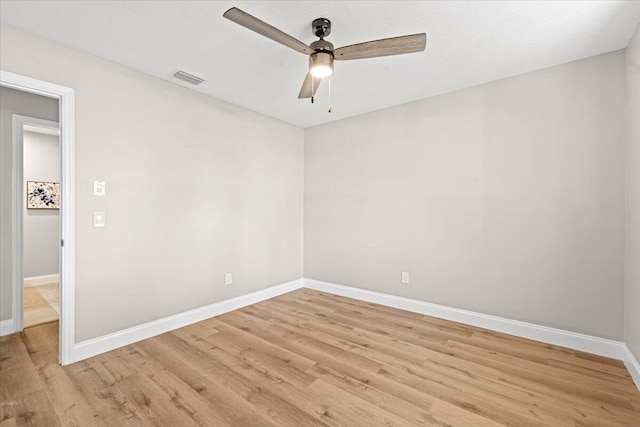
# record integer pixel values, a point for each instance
(321, 64)
(321, 71)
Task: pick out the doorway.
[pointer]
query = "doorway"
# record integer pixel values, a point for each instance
(15, 212)
(36, 141)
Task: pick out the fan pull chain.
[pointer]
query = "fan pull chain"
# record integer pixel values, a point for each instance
(329, 109)
(312, 97)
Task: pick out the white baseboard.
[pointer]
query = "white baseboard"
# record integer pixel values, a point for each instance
(632, 364)
(128, 336)
(7, 327)
(573, 340)
(41, 280)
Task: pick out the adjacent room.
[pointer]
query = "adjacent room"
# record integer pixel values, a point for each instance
(328, 213)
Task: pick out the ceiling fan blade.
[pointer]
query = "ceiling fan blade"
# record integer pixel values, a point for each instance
(384, 47)
(254, 24)
(305, 90)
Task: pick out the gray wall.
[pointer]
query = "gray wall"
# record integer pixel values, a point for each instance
(41, 228)
(13, 102)
(632, 279)
(196, 188)
(505, 199)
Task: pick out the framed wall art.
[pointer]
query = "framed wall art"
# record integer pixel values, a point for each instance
(43, 195)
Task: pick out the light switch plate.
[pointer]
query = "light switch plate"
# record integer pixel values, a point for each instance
(405, 277)
(99, 219)
(228, 279)
(99, 188)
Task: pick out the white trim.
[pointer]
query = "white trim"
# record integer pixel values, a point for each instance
(67, 226)
(65, 96)
(7, 327)
(41, 280)
(43, 130)
(128, 336)
(632, 365)
(17, 190)
(573, 340)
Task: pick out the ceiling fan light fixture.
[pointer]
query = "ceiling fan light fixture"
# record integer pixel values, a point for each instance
(321, 52)
(321, 64)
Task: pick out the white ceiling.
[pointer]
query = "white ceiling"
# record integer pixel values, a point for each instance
(468, 43)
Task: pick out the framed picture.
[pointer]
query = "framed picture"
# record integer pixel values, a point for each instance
(43, 195)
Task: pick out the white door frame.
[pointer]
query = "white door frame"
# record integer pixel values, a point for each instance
(65, 96)
(20, 125)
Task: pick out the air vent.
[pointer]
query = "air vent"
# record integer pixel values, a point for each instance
(189, 78)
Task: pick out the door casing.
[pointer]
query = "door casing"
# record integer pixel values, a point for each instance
(66, 99)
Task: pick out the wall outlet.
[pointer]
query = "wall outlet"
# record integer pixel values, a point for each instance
(228, 279)
(405, 277)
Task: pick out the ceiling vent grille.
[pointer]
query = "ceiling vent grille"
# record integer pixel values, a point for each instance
(189, 78)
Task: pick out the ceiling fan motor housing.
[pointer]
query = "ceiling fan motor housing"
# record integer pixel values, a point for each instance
(321, 60)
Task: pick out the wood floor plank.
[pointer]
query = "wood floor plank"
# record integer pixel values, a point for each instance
(41, 305)
(345, 409)
(265, 356)
(36, 410)
(309, 358)
(551, 378)
(452, 415)
(69, 404)
(51, 293)
(401, 408)
(248, 386)
(353, 338)
(189, 401)
(19, 376)
(9, 422)
(224, 390)
(486, 406)
(104, 397)
(608, 374)
(382, 347)
(302, 344)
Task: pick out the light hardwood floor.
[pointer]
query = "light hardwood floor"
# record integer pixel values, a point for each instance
(41, 304)
(309, 359)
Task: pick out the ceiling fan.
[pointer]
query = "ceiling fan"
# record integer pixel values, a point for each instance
(321, 52)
